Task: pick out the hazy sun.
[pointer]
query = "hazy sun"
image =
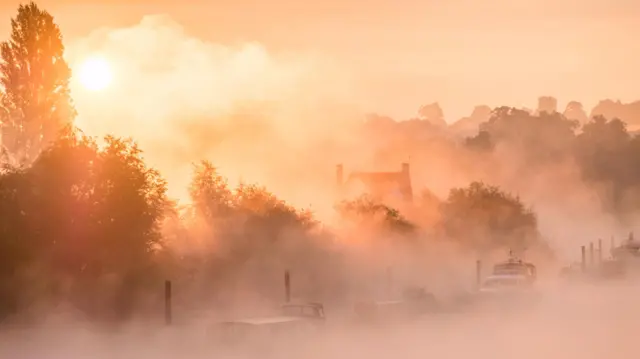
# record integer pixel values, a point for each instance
(95, 74)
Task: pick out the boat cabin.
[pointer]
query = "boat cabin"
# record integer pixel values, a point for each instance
(516, 267)
(629, 249)
(505, 282)
(303, 310)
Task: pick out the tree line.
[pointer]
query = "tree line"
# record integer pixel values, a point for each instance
(86, 224)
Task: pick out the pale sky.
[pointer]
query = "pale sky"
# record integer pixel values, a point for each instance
(406, 53)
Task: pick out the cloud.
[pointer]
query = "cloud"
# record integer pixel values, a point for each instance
(184, 99)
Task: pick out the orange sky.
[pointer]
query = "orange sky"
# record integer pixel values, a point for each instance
(403, 53)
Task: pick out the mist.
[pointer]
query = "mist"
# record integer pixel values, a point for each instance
(270, 118)
(582, 322)
(254, 113)
(284, 120)
(247, 138)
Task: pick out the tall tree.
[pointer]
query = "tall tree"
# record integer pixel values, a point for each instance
(541, 138)
(433, 114)
(485, 218)
(605, 153)
(35, 103)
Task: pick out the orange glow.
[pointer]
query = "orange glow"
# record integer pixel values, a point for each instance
(188, 87)
(95, 74)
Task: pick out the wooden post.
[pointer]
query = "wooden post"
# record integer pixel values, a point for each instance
(591, 255)
(583, 262)
(168, 315)
(478, 273)
(287, 286)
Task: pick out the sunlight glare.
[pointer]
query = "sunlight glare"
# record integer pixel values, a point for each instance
(95, 74)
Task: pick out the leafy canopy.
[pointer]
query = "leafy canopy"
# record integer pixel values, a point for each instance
(484, 218)
(35, 104)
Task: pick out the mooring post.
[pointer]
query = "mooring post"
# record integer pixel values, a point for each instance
(478, 272)
(591, 255)
(168, 315)
(287, 286)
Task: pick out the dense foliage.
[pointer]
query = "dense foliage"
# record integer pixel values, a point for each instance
(35, 103)
(88, 224)
(483, 217)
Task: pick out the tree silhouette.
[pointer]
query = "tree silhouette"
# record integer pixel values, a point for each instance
(247, 233)
(88, 223)
(627, 112)
(483, 218)
(548, 104)
(607, 156)
(480, 142)
(433, 114)
(469, 125)
(366, 211)
(536, 138)
(575, 111)
(81, 224)
(36, 103)
(210, 192)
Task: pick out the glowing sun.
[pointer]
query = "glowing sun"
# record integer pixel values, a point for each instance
(95, 74)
